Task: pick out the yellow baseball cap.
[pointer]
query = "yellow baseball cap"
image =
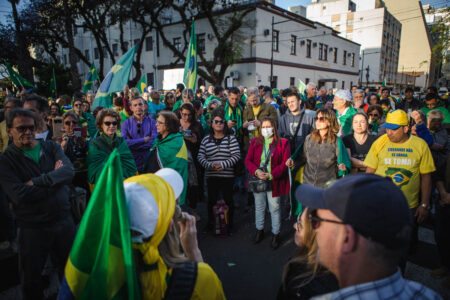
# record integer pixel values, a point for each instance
(395, 119)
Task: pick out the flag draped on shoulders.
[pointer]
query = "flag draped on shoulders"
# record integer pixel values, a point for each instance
(115, 80)
(100, 264)
(190, 65)
(172, 153)
(91, 77)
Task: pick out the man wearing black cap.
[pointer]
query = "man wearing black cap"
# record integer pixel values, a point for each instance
(363, 227)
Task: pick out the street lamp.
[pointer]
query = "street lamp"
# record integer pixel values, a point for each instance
(362, 66)
(271, 52)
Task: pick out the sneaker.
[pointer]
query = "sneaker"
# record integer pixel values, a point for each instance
(439, 272)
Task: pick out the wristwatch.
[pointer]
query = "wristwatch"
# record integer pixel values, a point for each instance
(424, 205)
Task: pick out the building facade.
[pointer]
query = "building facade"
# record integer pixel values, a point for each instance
(302, 50)
(369, 23)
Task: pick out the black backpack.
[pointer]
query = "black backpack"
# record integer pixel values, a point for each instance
(182, 282)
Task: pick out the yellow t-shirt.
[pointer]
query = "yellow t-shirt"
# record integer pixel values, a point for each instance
(403, 163)
(208, 285)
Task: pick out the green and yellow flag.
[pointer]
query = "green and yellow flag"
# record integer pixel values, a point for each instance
(301, 88)
(16, 79)
(142, 84)
(190, 65)
(53, 84)
(100, 264)
(91, 77)
(115, 80)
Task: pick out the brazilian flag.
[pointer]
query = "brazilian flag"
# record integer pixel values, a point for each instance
(115, 80)
(91, 77)
(16, 79)
(142, 84)
(190, 65)
(100, 264)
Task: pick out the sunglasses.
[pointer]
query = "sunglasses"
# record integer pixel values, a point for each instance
(68, 123)
(77, 105)
(316, 220)
(320, 119)
(110, 123)
(23, 129)
(218, 121)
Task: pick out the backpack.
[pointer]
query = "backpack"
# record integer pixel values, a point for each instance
(182, 282)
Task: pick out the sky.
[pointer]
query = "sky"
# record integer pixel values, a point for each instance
(286, 3)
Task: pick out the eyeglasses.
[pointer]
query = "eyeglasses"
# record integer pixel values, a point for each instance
(320, 119)
(110, 123)
(23, 129)
(374, 115)
(315, 220)
(219, 122)
(68, 123)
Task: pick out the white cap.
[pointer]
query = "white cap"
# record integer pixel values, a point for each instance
(344, 94)
(143, 208)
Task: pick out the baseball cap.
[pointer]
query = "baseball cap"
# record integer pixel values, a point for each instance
(373, 205)
(151, 200)
(395, 119)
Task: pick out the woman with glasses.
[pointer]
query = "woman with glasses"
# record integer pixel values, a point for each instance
(192, 134)
(169, 101)
(324, 152)
(266, 159)
(303, 276)
(101, 147)
(75, 147)
(219, 152)
(359, 142)
(375, 114)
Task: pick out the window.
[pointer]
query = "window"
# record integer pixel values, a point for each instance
(125, 47)
(320, 51)
(115, 48)
(177, 44)
(86, 53)
(325, 52)
(136, 41)
(308, 48)
(201, 45)
(343, 84)
(306, 80)
(291, 81)
(96, 54)
(353, 59)
(151, 79)
(274, 83)
(335, 55)
(149, 43)
(293, 45)
(275, 40)
(65, 59)
(344, 62)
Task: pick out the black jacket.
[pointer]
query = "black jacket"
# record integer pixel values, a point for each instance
(47, 200)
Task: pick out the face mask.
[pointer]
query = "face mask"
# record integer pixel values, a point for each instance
(267, 132)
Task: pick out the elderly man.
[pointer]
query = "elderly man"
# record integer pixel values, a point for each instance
(362, 226)
(310, 92)
(342, 103)
(255, 112)
(407, 160)
(35, 176)
(358, 101)
(139, 131)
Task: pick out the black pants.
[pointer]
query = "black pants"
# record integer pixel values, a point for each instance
(217, 186)
(7, 225)
(442, 233)
(35, 245)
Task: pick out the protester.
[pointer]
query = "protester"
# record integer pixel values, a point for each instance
(407, 161)
(363, 227)
(324, 155)
(169, 149)
(39, 106)
(219, 153)
(386, 95)
(375, 113)
(217, 95)
(34, 174)
(410, 103)
(166, 238)
(169, 101)
(101, 147)
(75, 148)
(86, 119)
(431, 103)
(358, 144)
(178, 97)
(358, 101)
(266, 159)
(139, 131)
(374, 99)
(9, 104)
(55, 111)
(86, 107)
(310, 92)
(155, 106)
(234, 114)
(342, 103)
(303, 276)
(440, 145)
(254, 113)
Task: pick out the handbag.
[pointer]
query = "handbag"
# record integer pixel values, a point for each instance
(257, 185)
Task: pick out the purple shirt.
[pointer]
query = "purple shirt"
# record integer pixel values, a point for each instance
(134, 132)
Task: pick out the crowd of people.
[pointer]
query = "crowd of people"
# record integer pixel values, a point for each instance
(312, 147)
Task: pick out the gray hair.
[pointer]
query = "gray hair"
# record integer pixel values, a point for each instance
(344, 94)
(253, 90)
(311, 84)
(359, 91)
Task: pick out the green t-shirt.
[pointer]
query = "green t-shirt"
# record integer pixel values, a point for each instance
(33, 153)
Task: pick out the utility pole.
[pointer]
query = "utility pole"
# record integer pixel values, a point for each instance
(367, 75)
(271, 54)
(362, 69)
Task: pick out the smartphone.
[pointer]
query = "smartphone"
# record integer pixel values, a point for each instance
(57, 127)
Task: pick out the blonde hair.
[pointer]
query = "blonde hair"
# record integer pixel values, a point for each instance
(333, 129)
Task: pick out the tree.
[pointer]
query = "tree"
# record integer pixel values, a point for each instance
(440, 34)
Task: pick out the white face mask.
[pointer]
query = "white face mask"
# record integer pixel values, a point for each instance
(267, 132)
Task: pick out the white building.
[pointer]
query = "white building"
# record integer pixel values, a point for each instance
(303, 49)
(370, 24)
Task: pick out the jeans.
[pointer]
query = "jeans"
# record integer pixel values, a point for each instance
(35, 244)
(260, 210)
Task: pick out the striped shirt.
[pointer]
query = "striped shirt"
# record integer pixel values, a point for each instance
(392, 287)
(224, 151)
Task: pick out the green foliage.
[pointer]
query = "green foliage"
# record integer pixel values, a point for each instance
(64, 85)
